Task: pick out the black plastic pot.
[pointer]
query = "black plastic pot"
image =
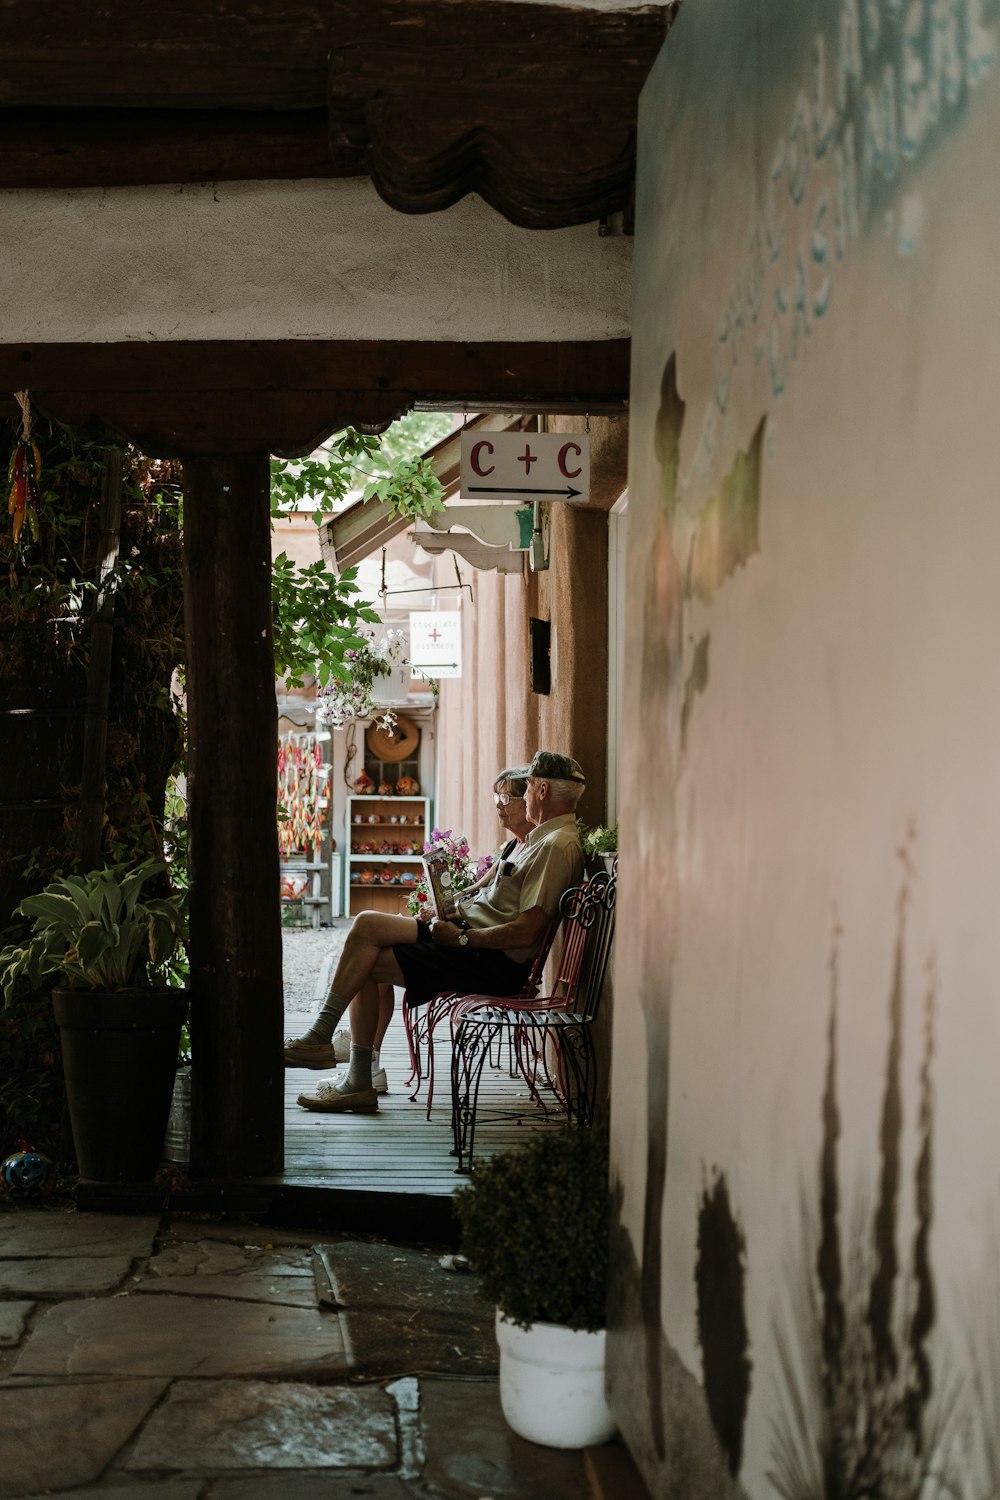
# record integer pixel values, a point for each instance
(119, 1059)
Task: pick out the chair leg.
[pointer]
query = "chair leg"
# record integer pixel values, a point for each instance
(473, 1040)
(580, 1072)
(412, 1026)
(440, 1007)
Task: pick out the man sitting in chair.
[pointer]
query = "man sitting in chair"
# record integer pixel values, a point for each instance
(488, 950)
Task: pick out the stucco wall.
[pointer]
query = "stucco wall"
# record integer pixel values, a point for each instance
(491, 718)
(306, 260)
(806, 1022)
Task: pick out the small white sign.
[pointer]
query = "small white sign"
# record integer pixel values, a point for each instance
(526, 466)
(436, 643)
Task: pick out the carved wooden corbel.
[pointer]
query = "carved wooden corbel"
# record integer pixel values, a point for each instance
(531, 106)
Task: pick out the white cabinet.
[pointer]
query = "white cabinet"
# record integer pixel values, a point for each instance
(386, 837)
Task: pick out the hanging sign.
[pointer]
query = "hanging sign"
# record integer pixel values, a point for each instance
(436, 643)
(526, 466)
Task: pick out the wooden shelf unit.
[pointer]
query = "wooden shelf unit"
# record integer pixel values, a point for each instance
(377, 828)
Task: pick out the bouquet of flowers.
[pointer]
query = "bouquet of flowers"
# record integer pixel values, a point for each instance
(464, 870)
(350, 697)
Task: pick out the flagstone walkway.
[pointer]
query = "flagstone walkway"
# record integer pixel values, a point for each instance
(191, 1359)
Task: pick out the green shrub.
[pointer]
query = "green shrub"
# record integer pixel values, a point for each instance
(535, 1225)
(94, 932)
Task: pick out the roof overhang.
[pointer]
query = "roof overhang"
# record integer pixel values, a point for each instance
(531, 105)
(362, 528)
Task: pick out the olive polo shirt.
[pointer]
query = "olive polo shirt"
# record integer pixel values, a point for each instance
(551, 861)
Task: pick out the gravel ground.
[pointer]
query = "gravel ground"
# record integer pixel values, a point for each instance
(307, 955)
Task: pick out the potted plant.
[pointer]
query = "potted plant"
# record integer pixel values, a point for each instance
(109, 948)
(361, 695)
(600, 845)
(535, 1225)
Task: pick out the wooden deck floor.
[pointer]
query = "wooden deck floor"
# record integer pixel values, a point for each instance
(400, 1151)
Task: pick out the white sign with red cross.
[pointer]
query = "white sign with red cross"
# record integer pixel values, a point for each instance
(436, 643)
(526, 466)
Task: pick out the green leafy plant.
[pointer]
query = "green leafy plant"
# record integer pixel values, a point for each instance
(95, 932)
(355, 464)
(318, 620)
(535, 1225)
(598, 840)
(351, 695)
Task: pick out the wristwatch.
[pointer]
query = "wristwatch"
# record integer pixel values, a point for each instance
(463, 939)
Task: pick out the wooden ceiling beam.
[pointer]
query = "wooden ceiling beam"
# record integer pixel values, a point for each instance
(531, 104)
(68, 148)
(287, 396)
(178, 54)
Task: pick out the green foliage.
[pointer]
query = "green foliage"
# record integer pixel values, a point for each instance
(31, 1082)
(94, 932)
(535, 1225)
(356, 464)
(318, 618)
(598, 840)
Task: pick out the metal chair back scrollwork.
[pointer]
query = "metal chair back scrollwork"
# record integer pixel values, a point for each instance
(552, 1035)
(421, 1024)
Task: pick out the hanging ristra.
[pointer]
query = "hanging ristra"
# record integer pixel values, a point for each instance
(23, 474)
(302, 783)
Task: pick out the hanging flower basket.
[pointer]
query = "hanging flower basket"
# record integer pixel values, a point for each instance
(355, 697)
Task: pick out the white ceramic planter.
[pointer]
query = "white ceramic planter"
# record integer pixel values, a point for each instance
(552, 1384)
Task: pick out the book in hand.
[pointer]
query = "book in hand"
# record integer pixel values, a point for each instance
(438, 877)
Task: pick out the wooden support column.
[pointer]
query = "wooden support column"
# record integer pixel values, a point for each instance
(238, 1075)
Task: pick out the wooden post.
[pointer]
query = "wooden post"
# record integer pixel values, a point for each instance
(238, 1074)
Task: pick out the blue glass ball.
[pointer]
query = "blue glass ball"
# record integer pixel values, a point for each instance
(27, 1174)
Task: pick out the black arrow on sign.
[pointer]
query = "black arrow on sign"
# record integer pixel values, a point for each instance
(506, 489)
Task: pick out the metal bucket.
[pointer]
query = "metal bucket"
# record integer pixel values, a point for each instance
(177, 1141)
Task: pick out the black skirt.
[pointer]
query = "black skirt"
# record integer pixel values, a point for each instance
(428, 970)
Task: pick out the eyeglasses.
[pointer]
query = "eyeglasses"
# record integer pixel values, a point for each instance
(502, 798)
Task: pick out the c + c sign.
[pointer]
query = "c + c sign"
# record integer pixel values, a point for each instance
(526, 466)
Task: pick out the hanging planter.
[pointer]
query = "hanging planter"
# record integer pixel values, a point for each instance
(358, 696)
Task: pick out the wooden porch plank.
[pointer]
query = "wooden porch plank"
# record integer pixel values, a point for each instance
(399, 1151)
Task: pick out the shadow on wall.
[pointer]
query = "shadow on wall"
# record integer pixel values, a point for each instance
(865, 1410)
(689, 555)
(862, 1413)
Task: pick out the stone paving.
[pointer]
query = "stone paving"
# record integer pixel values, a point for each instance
(206, 1359)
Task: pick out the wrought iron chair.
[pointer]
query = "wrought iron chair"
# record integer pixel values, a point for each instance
(421, 1023)
(538, 1028)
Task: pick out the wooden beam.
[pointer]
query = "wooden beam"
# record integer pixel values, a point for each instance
(68, 148)
(532, 106)
(288, 395)
(180, 53)
(235, 920)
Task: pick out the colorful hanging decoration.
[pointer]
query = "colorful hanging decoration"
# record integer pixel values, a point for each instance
(23, 474)
(303, 783)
